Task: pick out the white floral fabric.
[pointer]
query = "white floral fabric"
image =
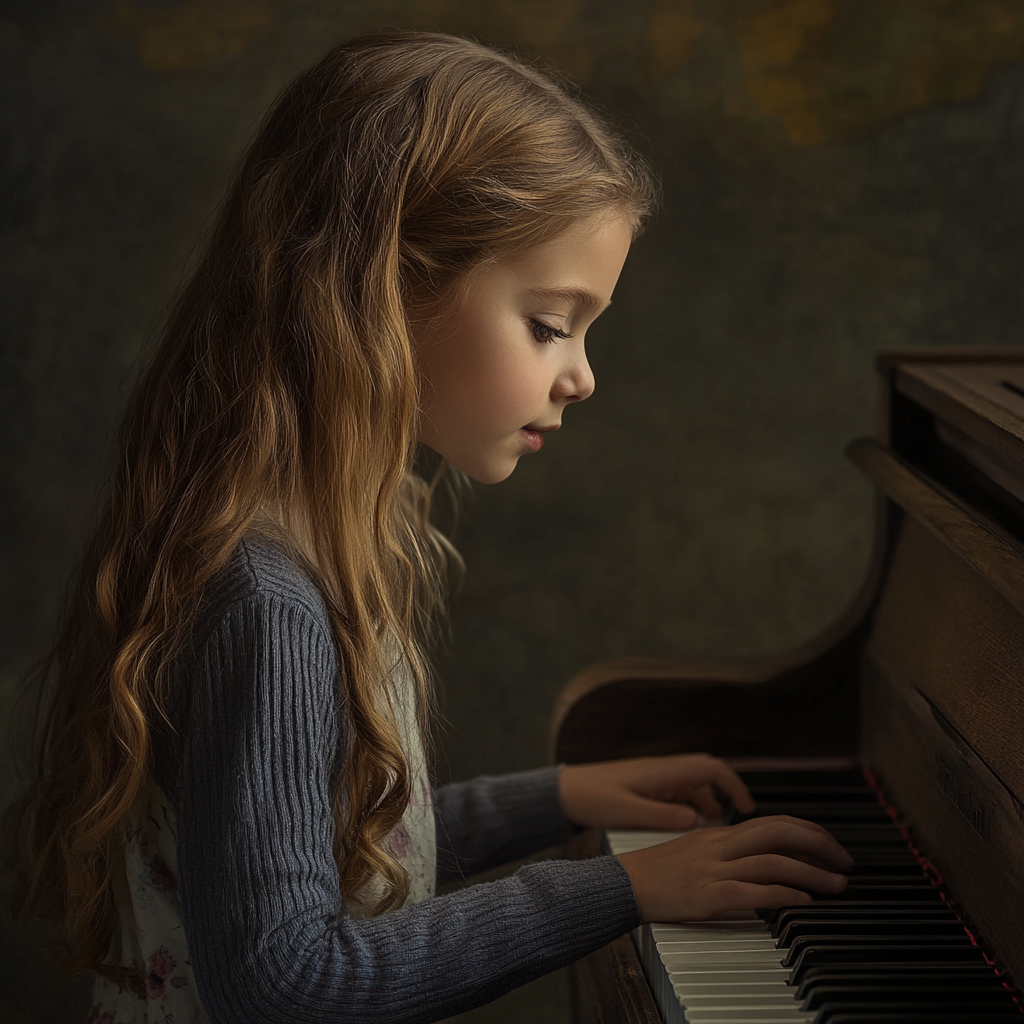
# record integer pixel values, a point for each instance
(151, 939)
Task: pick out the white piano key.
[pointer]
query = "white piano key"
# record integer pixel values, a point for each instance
(782, 1001)
(717, 945)
(686, 989)
(725, 956)
(625, 841)
(749, 1017)
(725, 971)
(751, 972)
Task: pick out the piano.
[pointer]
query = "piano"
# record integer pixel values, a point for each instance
(900, 728)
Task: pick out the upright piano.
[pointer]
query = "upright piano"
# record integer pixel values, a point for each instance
(901, 729)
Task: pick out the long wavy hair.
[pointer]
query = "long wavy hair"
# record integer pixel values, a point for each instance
(283, 397)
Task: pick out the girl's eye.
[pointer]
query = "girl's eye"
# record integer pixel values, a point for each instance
(546, 333)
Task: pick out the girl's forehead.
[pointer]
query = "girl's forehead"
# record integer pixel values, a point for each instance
(580, 265)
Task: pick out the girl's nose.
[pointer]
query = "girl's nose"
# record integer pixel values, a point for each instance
(576, 382)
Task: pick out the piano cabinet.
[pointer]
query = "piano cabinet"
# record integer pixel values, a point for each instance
(921, 680)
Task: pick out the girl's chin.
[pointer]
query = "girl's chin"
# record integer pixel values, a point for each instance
(489, 475)
(491, 472)
(484, 471)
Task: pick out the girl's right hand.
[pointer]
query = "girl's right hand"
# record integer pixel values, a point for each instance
(765, 862)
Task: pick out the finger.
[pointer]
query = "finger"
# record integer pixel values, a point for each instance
(734, 787)
(736, 895)
(811, 826)
(695, 770)
(774, 869)
(788, 836)
(637, 811)
(704, 800)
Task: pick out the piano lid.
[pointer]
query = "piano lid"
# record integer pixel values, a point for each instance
(984, 400)
(978, 410)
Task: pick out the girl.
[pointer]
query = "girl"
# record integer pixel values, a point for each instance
(233, 819)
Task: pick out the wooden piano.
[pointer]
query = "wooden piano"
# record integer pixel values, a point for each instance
(919, 688)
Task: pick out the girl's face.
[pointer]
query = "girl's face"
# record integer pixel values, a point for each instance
(498, 372)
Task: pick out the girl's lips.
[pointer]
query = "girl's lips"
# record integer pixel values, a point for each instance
(532, 435)
(533, 438)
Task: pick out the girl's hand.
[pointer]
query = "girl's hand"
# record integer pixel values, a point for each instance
(649, 792)
(765, 862)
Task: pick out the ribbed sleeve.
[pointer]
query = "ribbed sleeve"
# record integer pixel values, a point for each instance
(495, 819)
(258, 732)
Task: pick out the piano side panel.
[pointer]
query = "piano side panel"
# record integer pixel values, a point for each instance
(943, 727)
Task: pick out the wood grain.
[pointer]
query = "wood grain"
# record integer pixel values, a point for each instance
(992, 553)
(943, 707)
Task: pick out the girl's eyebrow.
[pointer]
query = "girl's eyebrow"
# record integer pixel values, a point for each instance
(579, 297)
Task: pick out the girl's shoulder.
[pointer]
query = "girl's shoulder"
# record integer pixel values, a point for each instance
(260, 572)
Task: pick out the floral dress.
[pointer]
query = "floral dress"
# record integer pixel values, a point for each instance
(150, 937)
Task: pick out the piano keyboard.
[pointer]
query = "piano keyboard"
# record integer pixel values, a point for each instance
(888, 949)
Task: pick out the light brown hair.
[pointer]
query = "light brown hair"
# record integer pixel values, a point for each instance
(283, 397)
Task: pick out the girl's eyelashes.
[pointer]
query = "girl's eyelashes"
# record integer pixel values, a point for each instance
(546, 333)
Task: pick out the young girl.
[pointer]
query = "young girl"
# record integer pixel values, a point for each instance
(233, 819)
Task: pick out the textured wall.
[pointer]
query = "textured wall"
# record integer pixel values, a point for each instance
(840, 176)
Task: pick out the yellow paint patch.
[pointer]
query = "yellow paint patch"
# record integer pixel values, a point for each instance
(835, 70)
(189, 34)
(671, 32)
(778, 37)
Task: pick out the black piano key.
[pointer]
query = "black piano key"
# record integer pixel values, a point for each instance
(875, 871)
(856, 877)
(881, 915)
(868, 835)
(824, 813)
(889, 944)
(813, 956)
(901, 1014)
(923, 892)
(920, 1018)
(837, 906)
(950, 993)
(894, 973)
(878, 854)
(793, 795)
(804, 777)
(876, 941)
(841, 908)
(802, 927)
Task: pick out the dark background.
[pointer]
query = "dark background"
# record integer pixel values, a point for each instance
(840, 176)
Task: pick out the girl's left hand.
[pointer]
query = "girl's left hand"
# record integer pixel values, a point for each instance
(665, 793)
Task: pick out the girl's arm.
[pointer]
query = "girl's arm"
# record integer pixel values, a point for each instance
(267, 936)
(249, 771)
(495, 819)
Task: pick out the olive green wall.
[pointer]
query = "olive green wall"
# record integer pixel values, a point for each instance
(839, 175)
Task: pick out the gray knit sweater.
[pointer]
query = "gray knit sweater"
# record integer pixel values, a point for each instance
(249, 767)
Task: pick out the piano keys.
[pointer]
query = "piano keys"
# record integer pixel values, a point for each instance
(919, 686)
(889, 945)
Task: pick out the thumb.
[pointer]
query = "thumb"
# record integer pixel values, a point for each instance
(643, 812)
